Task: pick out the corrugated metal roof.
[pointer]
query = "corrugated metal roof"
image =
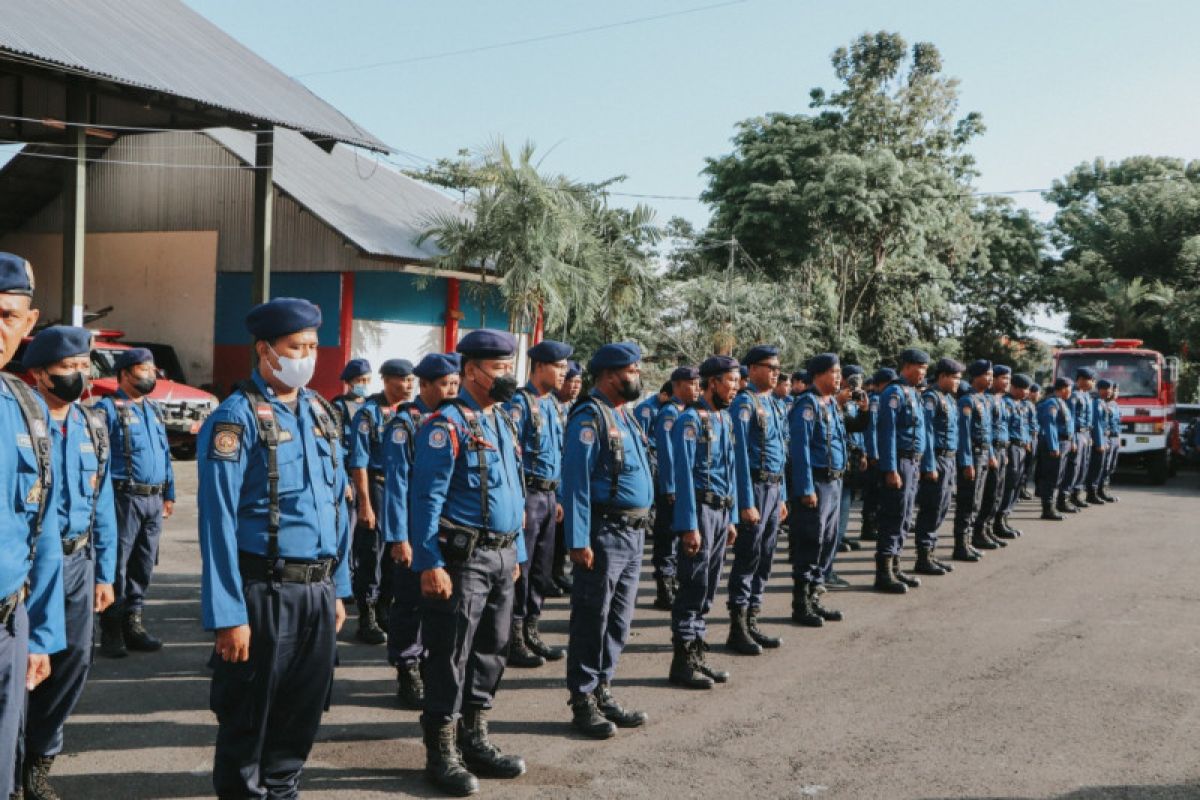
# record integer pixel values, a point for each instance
(375, 207)
(164, 46)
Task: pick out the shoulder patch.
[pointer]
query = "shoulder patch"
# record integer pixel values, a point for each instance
(874, 404)
(364, 426)
(930, 404)
(226, 441)
(438, 437)
(515, 413)
(744, 414)
(894, 402)
(668, 423)
(646, 411)
(689, 431)
(808, 413)
(399, 435)
(587, 434)
(1054, 411)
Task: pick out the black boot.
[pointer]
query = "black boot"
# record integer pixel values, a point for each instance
(826, 614)
(1009, 528)
(1093, 499)
(961, 551)
(443, 763)
(664, 597)
(1078, 500)
(982, 541)
(1025, 494)
(35, 778)
(614, 712)
(767, 642)
(739, 640)
(587, 719)
(519, 654)
(136, 635)
(534, 640)
(410, 687)
(910, 581)
(718, 675)
(369, 631)
(844, 547)
(802, 610)
(1104, 495)
(869, 531)
(684, 670)
(1064, 506)
(925, 563)
(885, 580)
(1000, 530)
(989, 532)
(112, 637)
(1049, 513)
(478, 752)
(565, 581)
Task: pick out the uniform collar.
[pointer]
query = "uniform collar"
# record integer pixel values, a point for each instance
(271, 394)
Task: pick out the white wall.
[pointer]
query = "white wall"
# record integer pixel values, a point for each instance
(379, 341)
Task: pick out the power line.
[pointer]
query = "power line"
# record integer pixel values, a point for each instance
(517, 42)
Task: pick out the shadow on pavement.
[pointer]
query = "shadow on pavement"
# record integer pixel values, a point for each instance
(1179, 791)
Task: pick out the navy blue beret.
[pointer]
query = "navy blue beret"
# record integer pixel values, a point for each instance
(486, 343)
(614, 356)
(801, 376)
(685, 374)
(355, 368)
(913, 356)
(1085, 372)
(850, 370)
(1001, 369)
(717, 365)
(573, 369)
(132, 357)
(1034, 388)
(548, 351)
(16, 277)
(1104, 383)
(1022, 381)
(396, 368)
(884, 376)
(760, 353)
(822, 363)
(54, 344)
(282, 316)
(744, 371)
(948, 366)
(979, 367)
(437, 365)
(1063, 383)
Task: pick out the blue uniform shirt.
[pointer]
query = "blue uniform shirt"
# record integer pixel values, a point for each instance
(667, 416)
(1081, 409)
(541, 452)
(1018, 429)
(700, 464)
(233, 505)
(1029, 409)
(1114, 418)
(870, 440)
(646, 411)
(18, 511)
(79, 490)
(858, 439)
(587, 476)
(1000, 434)
(760, 441)
(366, 434)
(1057, 424)
(818, 440)
(148, 445)
(445, 480)
(974, 428)
(347, 406)
(399, 440)
(901, 428)
(1101, 423)
(941, 418)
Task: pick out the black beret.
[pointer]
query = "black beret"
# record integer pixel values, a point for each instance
(54, 344)
(16, 276)
(282, 316)
(760, 353)
(1022, 381)
(979, 366)
(850, 370)
(948, 366)
(396, 368)
(1104, 383)
(717, 365)
(486, 343)
(355, 368)
(884, 375)
(821, 364)
(549, 351)
(800, 376)
(913, 356)
(685, 374)
(573, 369)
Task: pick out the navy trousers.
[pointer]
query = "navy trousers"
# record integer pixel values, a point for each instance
(1097, 468)
(14, 658)
(538, 572)
(933, 502)
(813, 533)
(139, 528)
(602, 602)
(699, 575)
(1051, 472)
(1083, 459)
(269, 708)
(370, 579)
(663, 555)
(968, 496)
(754, 549)
(896, 508)
(466, 637)
(993, 489)
(404, 643)
(1014, 479)
(54, 699)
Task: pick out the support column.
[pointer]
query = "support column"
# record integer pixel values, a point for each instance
(74, 208)
(264, 209)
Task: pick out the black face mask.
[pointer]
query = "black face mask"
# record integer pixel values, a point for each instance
(719, 403)
(145, 385)
(503, 387)
(630, 389)
(67, 388)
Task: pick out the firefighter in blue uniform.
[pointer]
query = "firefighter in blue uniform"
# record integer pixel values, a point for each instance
(760, 458)
(31, 584)
(906, 455)
(819, 456)
(607, 491)
(1029, 407)
(370, 578)
(144, 492)
(648, 409)
(535, 413)
(872, 480)
(975, 461)
(438, 378)
(1056, 442)
(985, 528)
(356, 378)
(466, 500)
(782, 393)
(855, 409)
(1101, 442)
(1114, 440)
(706, 494)
(274, 546)
(1081, 412)
(934, 496)
(685, 390)
(59, 360)
(1020, 439)
(566, 396)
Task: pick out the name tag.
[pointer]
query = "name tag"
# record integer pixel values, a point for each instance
(23, 440)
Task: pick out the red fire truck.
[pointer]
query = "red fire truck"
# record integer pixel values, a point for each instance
(1147, 379)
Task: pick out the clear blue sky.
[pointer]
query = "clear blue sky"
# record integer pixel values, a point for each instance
(1057, 82)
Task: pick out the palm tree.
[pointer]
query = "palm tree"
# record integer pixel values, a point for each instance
(1124, 310)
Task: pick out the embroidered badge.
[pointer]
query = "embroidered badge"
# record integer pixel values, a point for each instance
(808, 413)
(668, 424)
(226, 441)
(689, 432)
(587, 435)
(894, 402)
(23, 440)
(966, 411)
(399, 436)
(1053, 411)
(364, 426)
(745, 415)
(646, 413)
(516, 414)
(438, 438)
(930, 404)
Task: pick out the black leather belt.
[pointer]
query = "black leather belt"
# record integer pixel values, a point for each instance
(489, 540)
(377, 475)
(255, 567)
(825, 475)
(943, 452)
(73, 546)
(769, 478)
(626, 517)
(714, 500)
(8, 606)
(999, 442)
(140, 489)
(857, 452)
(536, 484)
(909, 455)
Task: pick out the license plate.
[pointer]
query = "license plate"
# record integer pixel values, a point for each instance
(1143, 440)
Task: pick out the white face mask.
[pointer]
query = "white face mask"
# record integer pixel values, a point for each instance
(295, 372)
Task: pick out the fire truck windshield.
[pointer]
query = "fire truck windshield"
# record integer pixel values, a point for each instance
(1137, 375)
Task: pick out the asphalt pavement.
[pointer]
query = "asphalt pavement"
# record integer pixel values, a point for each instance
(1065, 666)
